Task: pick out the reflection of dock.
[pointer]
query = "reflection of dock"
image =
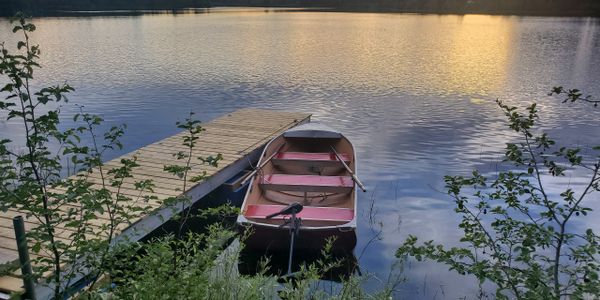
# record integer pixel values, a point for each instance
(238, 136)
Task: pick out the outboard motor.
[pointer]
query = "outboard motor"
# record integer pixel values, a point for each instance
(294, 225)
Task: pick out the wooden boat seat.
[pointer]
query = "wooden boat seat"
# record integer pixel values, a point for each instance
(334, 214)
(307, 183)
(320, 159)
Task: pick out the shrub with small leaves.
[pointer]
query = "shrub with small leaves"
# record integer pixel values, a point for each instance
(71, 221)
(517, 234)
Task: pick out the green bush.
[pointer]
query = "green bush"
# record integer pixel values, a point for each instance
(516, 234)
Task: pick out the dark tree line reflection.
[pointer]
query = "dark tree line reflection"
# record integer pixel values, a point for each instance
(518, 7)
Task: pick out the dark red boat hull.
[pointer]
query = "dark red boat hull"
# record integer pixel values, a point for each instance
(265, 238)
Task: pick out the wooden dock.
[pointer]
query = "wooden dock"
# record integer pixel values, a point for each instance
(238, 136)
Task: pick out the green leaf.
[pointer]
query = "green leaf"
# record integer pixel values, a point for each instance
(7, 88)
(36, 248)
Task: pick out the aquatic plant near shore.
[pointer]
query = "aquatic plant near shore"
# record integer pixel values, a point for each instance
(517, 234)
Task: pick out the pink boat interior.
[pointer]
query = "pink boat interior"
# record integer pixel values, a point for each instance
(307, 170)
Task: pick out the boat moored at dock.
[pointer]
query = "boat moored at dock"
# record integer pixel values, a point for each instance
(309, 171)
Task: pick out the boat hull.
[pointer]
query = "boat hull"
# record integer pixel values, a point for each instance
(267, 238)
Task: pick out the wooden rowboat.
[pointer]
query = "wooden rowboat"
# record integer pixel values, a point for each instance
(311, 165)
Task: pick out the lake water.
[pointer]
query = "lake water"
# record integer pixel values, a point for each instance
(414, 92)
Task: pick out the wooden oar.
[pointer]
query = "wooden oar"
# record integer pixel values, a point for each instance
(362, 187)
(261, 165)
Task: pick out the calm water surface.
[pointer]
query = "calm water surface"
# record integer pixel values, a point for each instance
(415, 93)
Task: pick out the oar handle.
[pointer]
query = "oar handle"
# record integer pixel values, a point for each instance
(362, 187)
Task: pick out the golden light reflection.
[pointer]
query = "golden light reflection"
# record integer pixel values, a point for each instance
(427, 54)
(382, 53)
(478, 55)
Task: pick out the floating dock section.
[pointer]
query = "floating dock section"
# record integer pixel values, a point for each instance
(238, 136)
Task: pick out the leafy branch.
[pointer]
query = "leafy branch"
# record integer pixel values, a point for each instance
(76, 218)
(517, 234)
(192, 129)
(573, 95)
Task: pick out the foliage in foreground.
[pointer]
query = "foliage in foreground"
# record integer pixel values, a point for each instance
(518, 234)
(199, 266)
(62, 214)
(72, 223)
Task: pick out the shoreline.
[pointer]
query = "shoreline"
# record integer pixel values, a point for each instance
(276, 9)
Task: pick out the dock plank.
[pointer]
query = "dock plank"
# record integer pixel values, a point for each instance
(10, 284)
